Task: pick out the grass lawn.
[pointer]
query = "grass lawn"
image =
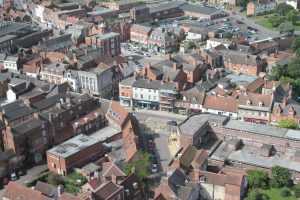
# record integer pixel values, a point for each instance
(263, 21)
(274, 194)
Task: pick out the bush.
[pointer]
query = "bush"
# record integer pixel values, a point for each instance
(73, 189)
(257, 178)
(74, 176)
(297, 190)
(285, 193)
(41, 177)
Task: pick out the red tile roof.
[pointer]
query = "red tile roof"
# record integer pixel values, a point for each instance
(254, 85)
(67, 196)
(221, 103)
(15, 191)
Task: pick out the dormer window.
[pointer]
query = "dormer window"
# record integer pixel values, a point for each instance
(248, 103)
(260, 104)
(184, 98)
(194, 99)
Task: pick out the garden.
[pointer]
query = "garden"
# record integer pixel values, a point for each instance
(72, 182)
(277, 187)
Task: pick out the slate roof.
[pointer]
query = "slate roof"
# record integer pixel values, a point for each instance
(128, 182)
(154, 84)
(199, 9)
(285, 109)
(27, 126)
(165, 6)
(57, 43)
(48, 102)
(45, 188)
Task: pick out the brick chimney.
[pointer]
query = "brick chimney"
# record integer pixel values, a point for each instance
(175, 66)
(114, 178)
(168, 56)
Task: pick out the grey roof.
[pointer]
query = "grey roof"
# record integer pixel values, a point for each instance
(105, 36)
(10, 27)
(154, 84)
(199, 9)
(45, 189)
(293, 134)
(6, 37)
(242, 58)
(285, 109)
(106, 133)
(184, 192)
(91, 167)
(27, 126)
(176, 179)
(57, 43)
(165, 6)
(48, 102)
(193, 123)
(10, 107)
(140, 7)
(18, 113)
(100, 11)
(128, 81)
(73, 146)
(256, 128)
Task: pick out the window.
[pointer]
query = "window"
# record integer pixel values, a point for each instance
(154, 98)
(149, 90)
(248, 103)
(136, 96)
(260, 104)
(142, 96)
(122, 94)
(149, 97)
(54, 165)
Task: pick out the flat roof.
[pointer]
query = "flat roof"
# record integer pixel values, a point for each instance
(100, 11)
(106, 133)
(293, 134)
(6, 37)
(255, 128)
(73, 146)
(250, 155)
(105, 36)
(193, 123)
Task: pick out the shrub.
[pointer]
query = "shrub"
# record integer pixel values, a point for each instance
(285, 193)
(74, 176)
(297, 190)
(41, 177)
(73, 189)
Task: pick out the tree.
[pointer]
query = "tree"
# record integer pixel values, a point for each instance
(191, 45)
(280, 177)
(257, 178)
(276, 73)
(292, 16)
(293, 69)
(243, 3)
(141, 163)
(181, 37)
(287, 123)
(282, 9)
(275, 20)
(296, 46)
(297, 190)
(286, 28)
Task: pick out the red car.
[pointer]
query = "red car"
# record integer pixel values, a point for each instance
(151, 144)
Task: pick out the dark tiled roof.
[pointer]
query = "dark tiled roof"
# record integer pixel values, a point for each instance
(199, 9)
(44, 188)
(28, 125)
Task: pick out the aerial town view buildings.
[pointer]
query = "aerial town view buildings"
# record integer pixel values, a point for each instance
(158, 100)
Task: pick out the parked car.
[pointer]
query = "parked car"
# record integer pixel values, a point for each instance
(150, 137)
(5, 181)
(22, 172)
(151, 144)
(172, 123)
(152, 151)
(154, 169)
(13, 176)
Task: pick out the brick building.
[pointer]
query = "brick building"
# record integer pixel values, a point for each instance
(260, 7)
(75, 152)
(109, 42)
(140, 13)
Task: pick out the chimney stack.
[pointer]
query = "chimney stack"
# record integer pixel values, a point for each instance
(114, 178)
(168, 56)
(175, 66)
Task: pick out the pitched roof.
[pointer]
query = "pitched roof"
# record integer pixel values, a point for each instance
(106, 191)
(17, 191)
(254, 85)
(128, 184)
(117, 113)
(255, 99)
(68, 196)
(45, 188)
(112, 168)
(187, 157)
(221, 103)
(95, 183)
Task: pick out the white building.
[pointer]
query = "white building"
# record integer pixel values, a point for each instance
(196, 35)
(146, 93)
(11, 63)
(213, 42)
(294, 3)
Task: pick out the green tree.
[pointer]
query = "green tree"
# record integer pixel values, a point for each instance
(280, 177)
(293, 69)
(257, 178)
(243, 3)
(142, 164)
(181, 38)
(275, 20)
(287, 123)
(276, 73)
(292, 16)
(282, 9)
(286, 28)
(73, 189)
(191, 45)
(297, 190)
(296, 46)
